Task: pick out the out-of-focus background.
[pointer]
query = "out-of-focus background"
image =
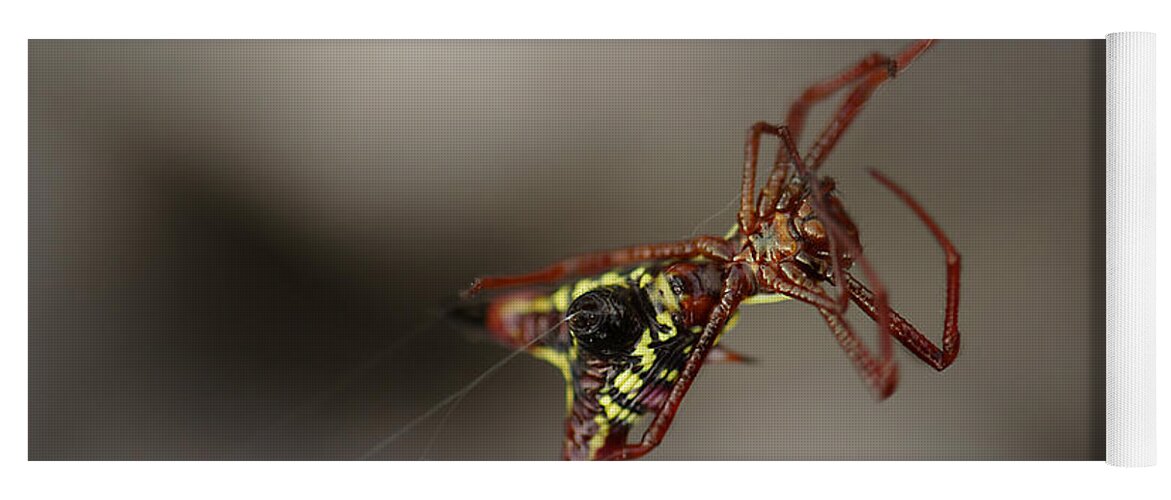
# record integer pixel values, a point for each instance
(243, 250)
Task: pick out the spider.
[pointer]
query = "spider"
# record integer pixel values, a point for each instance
(632, 335)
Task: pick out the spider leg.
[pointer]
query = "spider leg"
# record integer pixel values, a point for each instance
(874, 78)
(873, 64)
(746, 217)
(882, 373)
(771, 194)
(787, 281)
(907, 334)
(738, 285)
(879, 310)
(711, 247)
(821, 90)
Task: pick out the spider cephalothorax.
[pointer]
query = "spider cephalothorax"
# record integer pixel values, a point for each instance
(631, 337)
(794, 237)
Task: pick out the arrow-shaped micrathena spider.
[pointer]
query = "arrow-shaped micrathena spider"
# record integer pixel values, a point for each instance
(632, 336)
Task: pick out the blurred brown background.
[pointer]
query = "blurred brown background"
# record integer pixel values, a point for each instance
(236, 247)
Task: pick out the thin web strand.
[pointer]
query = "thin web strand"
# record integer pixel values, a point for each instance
(455, 396)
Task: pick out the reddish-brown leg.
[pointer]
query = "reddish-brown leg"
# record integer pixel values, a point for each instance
(786, 280)
(882, 374)
(857, 98)
(821, 90)
(737, 286)
(746, 217)
(877, 67)
(903, 331)
(711, 247)
(908, 335)
(771, 194)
